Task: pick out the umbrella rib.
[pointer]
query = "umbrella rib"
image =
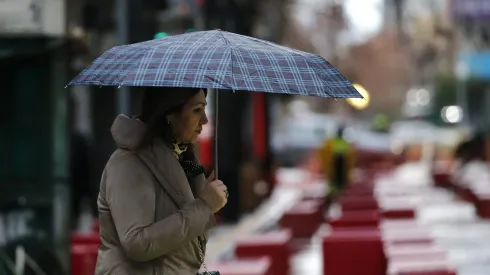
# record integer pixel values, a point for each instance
(337, 71)
(269, 45)
(231, 58)
(131, 67)
(137, 63)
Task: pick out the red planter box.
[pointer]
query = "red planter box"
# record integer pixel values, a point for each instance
(367, 218)
(353, 252)
(358, 203)
(83, 259)
(483, 206)
(442, 179)
(303, 219)
(359, 191)
(398, 213)
(84, 239)
(275, 245)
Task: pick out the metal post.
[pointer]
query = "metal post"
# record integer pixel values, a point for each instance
(123, 96)
(461, 78)
(486, 113)
(196, 14)
(461, 98)
(399, 6)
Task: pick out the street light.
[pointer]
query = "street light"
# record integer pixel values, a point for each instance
(452, 114)
(360, 103)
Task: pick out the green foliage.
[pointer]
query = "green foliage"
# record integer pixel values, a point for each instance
(160, 35)
(380, 123)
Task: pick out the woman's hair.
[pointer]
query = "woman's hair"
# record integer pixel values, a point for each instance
(159, 102)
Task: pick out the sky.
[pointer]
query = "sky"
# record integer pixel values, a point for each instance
(365, 17)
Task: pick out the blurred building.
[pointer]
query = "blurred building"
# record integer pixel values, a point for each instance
(34, 142)
(471, 23)
(425, 35)
(471, 18)
(382, 66)
(393, 13)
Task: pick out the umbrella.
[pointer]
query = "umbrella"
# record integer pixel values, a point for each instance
(217, 59)
(220, 60)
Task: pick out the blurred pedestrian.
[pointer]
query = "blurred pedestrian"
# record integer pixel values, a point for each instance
(471, 167)
(155, 205)
(337, 160)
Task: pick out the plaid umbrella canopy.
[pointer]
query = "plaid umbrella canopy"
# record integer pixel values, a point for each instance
(218, 60)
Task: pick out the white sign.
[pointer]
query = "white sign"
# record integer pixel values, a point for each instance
(32, 17)
(15, 225)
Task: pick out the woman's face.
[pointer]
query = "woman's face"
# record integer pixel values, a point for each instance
(187, 125)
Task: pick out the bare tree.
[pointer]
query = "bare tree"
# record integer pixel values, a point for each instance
(382, 66)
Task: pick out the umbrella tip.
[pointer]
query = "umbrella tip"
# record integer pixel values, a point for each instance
(66, 86)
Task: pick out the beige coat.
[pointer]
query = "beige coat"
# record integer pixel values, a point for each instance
(143, 231)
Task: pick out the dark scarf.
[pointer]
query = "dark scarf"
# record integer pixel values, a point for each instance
(191, 169)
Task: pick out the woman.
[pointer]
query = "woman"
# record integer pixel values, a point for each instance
(155, 206)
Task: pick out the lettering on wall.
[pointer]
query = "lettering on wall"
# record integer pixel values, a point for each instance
(15, 225)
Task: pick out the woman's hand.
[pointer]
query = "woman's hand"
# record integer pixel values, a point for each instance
(214, 193)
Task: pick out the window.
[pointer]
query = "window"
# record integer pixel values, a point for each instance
(25, 118)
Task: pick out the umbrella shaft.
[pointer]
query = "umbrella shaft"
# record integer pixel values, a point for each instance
(216, 100)
(123, 101)
(123, 96)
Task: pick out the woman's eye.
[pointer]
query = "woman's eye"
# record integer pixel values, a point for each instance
(197, 110)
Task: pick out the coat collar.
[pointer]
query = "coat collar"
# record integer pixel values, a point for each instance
(167, 170)
(128, 133)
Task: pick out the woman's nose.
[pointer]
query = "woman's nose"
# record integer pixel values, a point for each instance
(204, 119)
